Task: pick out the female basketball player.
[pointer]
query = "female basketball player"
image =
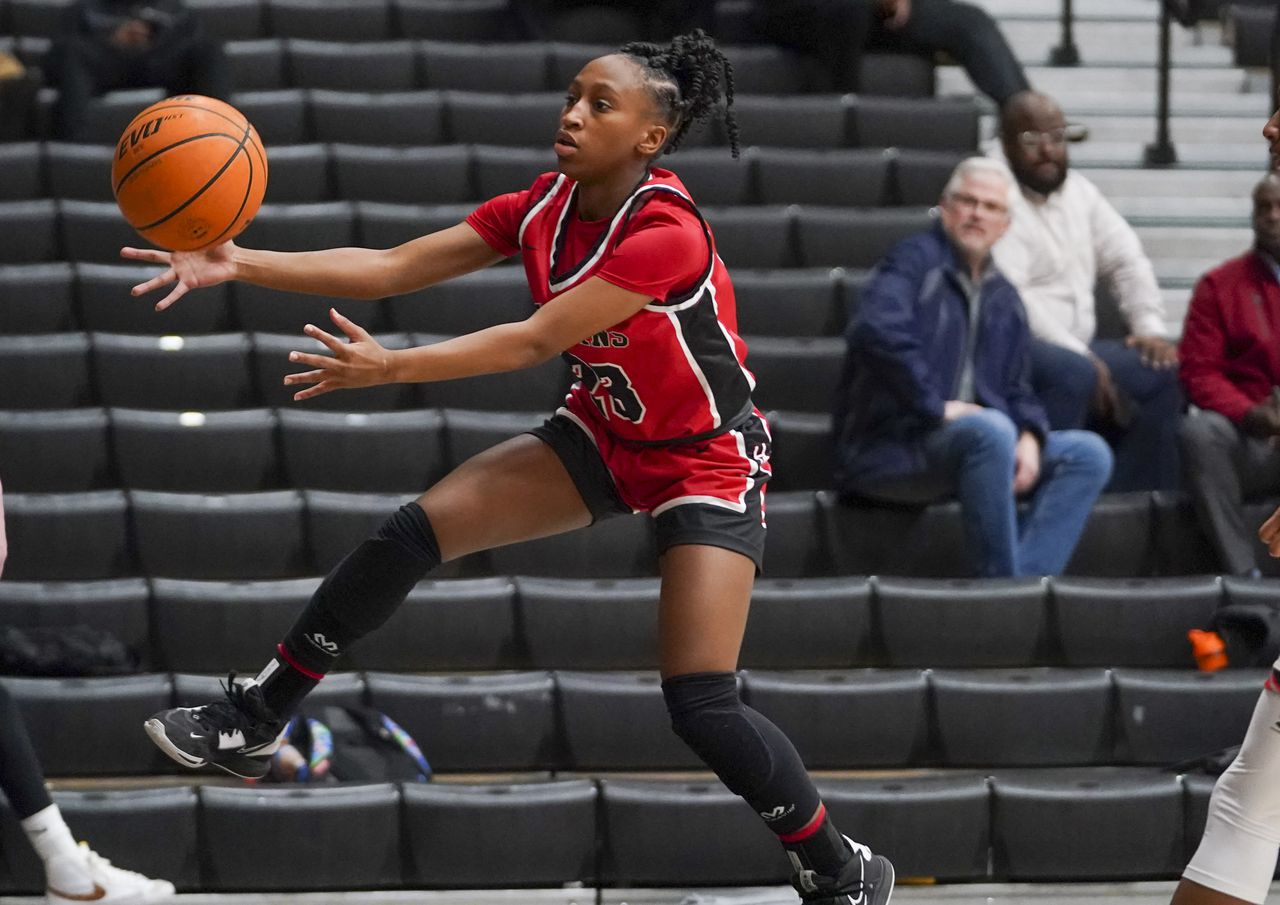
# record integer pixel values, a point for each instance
(628, 285)
(1236, 859)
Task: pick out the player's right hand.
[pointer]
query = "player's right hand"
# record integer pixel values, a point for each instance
(187, 269)
(1269, 533)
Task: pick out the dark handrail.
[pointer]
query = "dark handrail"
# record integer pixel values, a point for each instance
(1161, 153)
(1066, 53)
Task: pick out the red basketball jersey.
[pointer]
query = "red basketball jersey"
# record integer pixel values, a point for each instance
(676, 369)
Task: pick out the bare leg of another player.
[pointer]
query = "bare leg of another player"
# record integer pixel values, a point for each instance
(1236, 859)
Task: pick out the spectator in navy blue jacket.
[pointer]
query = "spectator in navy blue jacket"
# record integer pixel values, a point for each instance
(930, 408)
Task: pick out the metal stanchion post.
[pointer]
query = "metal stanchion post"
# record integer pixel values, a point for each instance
(1161, 152)
(1066, 53)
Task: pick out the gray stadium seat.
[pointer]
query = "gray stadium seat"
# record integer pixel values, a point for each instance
(791, 121)
(324, 20)
(226, 536)
(79, 171)
(665, 833)
(454, 20)
(933, 826)
(256, 65)
(55, 451)
(766, 69)
(619, 547)
(499, 170)
(281, 117)
(753, 236)
(787, 302)
(712, 176)
(230, 20)
(567, 58)
(339, 689)
(448, 625)
(844, 178)
(105, 303)
(432, 175)
(1167, 716)
(302, 227)
(61, 713)
(794, 547)
(388, 225)
(920, 176)
(468, 432)
(1181, 546)
(37, 298)
(572, 623)
(214, 626)
(196, 452)
(926, 123)
(962, 622)
(299, 174)
(442, 820)
(22, 171)
(809, 623)
(182, 373)
(803, 450)
(36, 17)
(106, 116)
(93, 231)
(896, 75)
(1131, 622)
(1086, 824)
(271, 363)
(258, 309)
(485, 67)
(618, 721)
(870, 539)
(365, 452)
(466, 304)
(1023, 717)
(1117, 539)
(338, 66)
(473, 723)
(384, 118)
(119, 606)
(68, 536)
(854, 238)
(32, 234)
(799, 373)
(827, 714)
(540, 388)
(283, 839)
(519, 120)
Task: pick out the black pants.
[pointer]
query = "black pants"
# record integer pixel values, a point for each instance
(21, 779)
(83, 69)
(838, 32)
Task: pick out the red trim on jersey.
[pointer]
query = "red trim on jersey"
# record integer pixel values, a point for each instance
(284, 654)
(808, 829)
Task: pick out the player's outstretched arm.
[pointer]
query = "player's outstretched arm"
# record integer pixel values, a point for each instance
(359, 273)
(558, 325)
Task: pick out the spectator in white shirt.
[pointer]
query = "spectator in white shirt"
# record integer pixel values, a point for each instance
(1064, 240)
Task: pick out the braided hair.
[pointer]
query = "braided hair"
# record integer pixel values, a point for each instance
(687, 79)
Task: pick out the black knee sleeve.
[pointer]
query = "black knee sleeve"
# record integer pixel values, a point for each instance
(364, 589)
(750, 755)
(21, 779)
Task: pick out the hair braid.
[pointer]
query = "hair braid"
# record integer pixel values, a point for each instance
(688, 78)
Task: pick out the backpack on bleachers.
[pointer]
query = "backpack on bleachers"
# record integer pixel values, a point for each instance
(1251, 632)
(348, 744)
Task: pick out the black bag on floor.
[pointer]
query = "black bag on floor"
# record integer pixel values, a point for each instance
(348, 744)
(1251, 632)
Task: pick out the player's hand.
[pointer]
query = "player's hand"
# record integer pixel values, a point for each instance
(1155, 351)
(358, 362)
(1026, 463)
(1269, 533)
(954, 408)
(187, 269)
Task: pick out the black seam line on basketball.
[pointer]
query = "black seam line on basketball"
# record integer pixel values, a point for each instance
(248, 190)
(204, 188)
(176, 144)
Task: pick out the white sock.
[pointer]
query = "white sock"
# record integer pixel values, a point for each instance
(65, 866)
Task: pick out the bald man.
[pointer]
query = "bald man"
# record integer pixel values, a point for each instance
(1065, 238)
(1231, 372)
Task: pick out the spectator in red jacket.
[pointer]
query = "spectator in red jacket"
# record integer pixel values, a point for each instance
(1231, 374)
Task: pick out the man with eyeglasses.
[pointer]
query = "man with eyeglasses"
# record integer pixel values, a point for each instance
(1066, 240)
(935, 400)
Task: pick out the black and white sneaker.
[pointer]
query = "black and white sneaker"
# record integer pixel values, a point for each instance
(239, 734)
(866, 879)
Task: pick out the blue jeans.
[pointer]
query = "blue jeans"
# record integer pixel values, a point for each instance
(972, 458)
(1147, 449)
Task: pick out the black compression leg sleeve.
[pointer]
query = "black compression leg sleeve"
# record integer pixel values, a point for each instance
(359, 595)
(20, 776)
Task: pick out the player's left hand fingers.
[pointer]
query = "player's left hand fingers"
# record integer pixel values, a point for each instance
(354, 331)
(324, 362)
(307, 376)
(324, 386)
(335, 345)
(178, 292)
(155, 282)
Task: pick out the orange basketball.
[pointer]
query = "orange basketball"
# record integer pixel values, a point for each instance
(189, 172)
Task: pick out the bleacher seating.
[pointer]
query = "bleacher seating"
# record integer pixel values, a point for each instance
(164, 486)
